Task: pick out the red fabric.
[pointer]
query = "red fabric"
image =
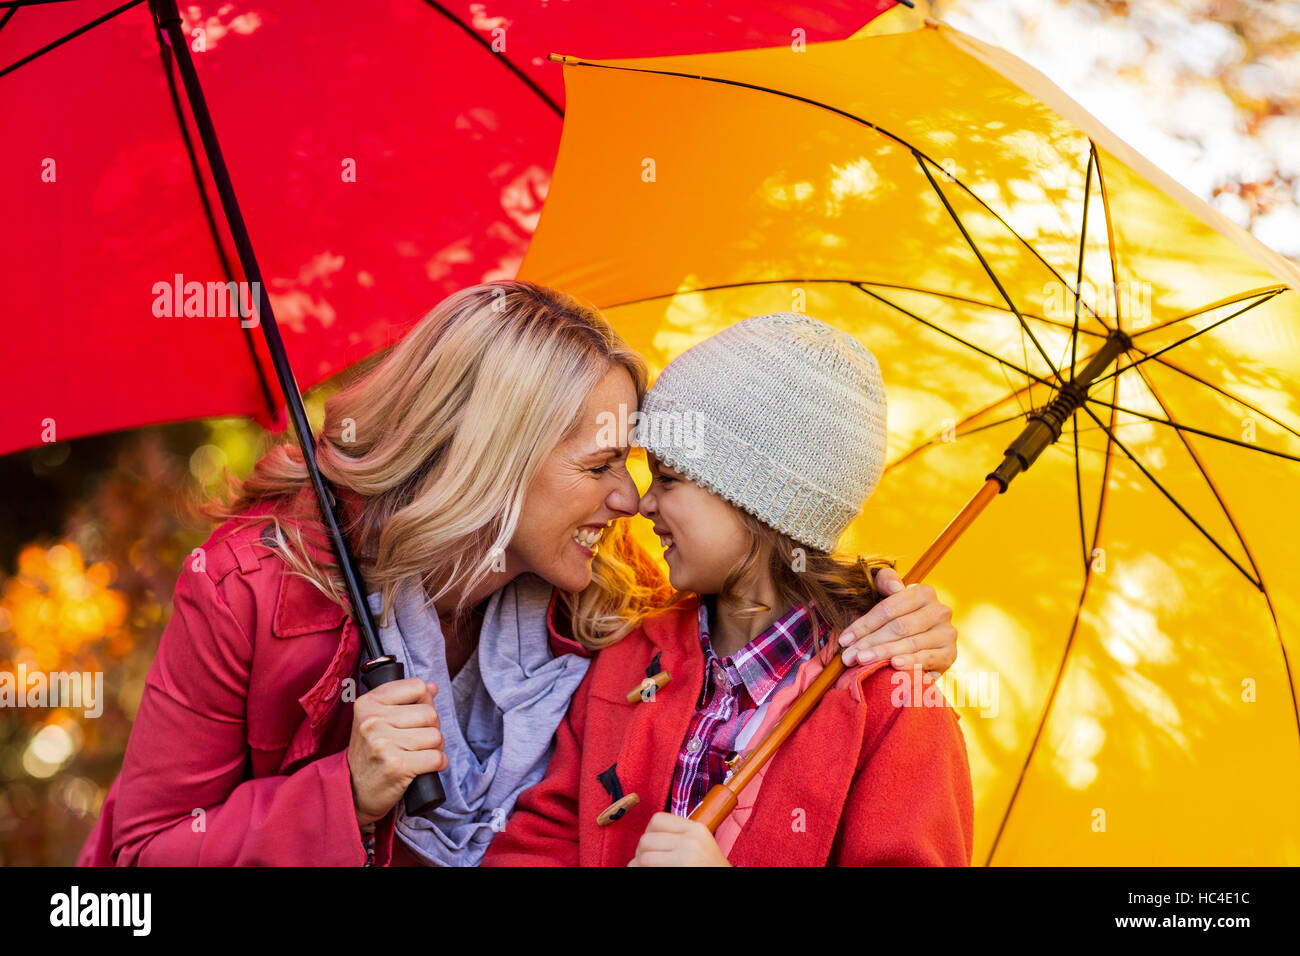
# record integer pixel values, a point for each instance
(452, 154)
(861, 782)
(243, 718)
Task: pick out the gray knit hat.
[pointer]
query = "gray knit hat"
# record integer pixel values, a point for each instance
(780, 414)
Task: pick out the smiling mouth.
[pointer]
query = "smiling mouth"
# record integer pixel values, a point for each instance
(665, 541)
(588, 537)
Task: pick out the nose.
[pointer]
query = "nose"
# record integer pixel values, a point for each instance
(647, 507)
(623, 499)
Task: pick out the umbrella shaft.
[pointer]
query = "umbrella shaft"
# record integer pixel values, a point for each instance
(168, 18)
(1044, 425)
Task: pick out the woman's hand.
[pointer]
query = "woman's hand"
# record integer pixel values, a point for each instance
(909, 626)
(395, 738)
(671, 840)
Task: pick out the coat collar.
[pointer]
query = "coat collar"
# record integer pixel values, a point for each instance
(664, 628)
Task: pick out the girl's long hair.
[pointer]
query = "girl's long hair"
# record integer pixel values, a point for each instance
(439, 442)
(840, 589)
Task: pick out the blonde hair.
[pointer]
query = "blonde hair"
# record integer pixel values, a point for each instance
(441, 440)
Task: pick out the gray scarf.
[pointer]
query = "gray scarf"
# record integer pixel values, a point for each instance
(498, 716)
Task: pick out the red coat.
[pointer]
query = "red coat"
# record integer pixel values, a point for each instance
(243, 718)
(861, 782)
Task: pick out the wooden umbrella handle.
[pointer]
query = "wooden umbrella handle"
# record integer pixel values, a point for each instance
(721, 799)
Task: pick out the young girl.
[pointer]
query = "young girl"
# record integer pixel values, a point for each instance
(763, 443)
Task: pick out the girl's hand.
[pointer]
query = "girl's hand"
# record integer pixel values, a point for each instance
(909, 626)
(671, 840)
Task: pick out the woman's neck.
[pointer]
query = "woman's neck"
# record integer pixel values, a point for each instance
(460, 630)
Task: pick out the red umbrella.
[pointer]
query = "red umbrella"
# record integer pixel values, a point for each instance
(372, 175)
(385, 154)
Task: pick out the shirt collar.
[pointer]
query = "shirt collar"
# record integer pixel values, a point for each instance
(762, 664)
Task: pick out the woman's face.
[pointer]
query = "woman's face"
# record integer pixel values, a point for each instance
(702, 533)
(582, 487)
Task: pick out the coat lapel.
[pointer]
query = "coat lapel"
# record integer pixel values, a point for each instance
(301, 610)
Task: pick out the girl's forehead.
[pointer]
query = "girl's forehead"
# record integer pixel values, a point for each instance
(656, 465)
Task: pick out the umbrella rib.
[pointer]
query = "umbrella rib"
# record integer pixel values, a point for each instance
(1174, 501)
(1024, 326)
(1227, 300)
(165, 54)
(880, 285)
(53, 44)
(1223, 506)
(9, 15)
(1083, 242)
(1065, 652)
(1078, 489)
(1196, 431)
(955, 337)
(1268, 601)
(1148, 356)
(968, 300)
(856, 119)
(1226, 394)
(1110, 230)
(509, 64)
(917, 449)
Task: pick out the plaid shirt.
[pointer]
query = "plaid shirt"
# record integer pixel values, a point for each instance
(734, 700)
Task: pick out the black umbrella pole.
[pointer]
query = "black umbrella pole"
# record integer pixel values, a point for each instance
(425, 792)
(1045, 423)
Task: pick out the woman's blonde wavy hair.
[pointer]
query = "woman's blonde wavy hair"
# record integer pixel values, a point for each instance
(440, 441)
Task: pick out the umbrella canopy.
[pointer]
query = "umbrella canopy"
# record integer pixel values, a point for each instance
(384, 155)
(1127, 609)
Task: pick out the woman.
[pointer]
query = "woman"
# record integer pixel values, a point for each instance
(484, 511)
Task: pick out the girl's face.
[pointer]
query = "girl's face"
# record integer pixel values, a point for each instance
(583, 486)
(702, 533)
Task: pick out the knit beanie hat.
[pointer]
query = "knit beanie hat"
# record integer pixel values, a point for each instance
(781, 415)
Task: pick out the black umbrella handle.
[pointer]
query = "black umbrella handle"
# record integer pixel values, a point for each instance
(425, 792)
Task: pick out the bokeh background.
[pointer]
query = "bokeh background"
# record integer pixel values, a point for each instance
(93, 531)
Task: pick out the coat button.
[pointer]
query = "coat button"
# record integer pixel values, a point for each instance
(645, 691)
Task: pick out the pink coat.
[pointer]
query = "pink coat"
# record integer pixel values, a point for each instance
(238, 754)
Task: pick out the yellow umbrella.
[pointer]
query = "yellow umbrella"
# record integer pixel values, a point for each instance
(1127, 609)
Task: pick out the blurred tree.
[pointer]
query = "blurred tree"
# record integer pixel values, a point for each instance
(1208, 90)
